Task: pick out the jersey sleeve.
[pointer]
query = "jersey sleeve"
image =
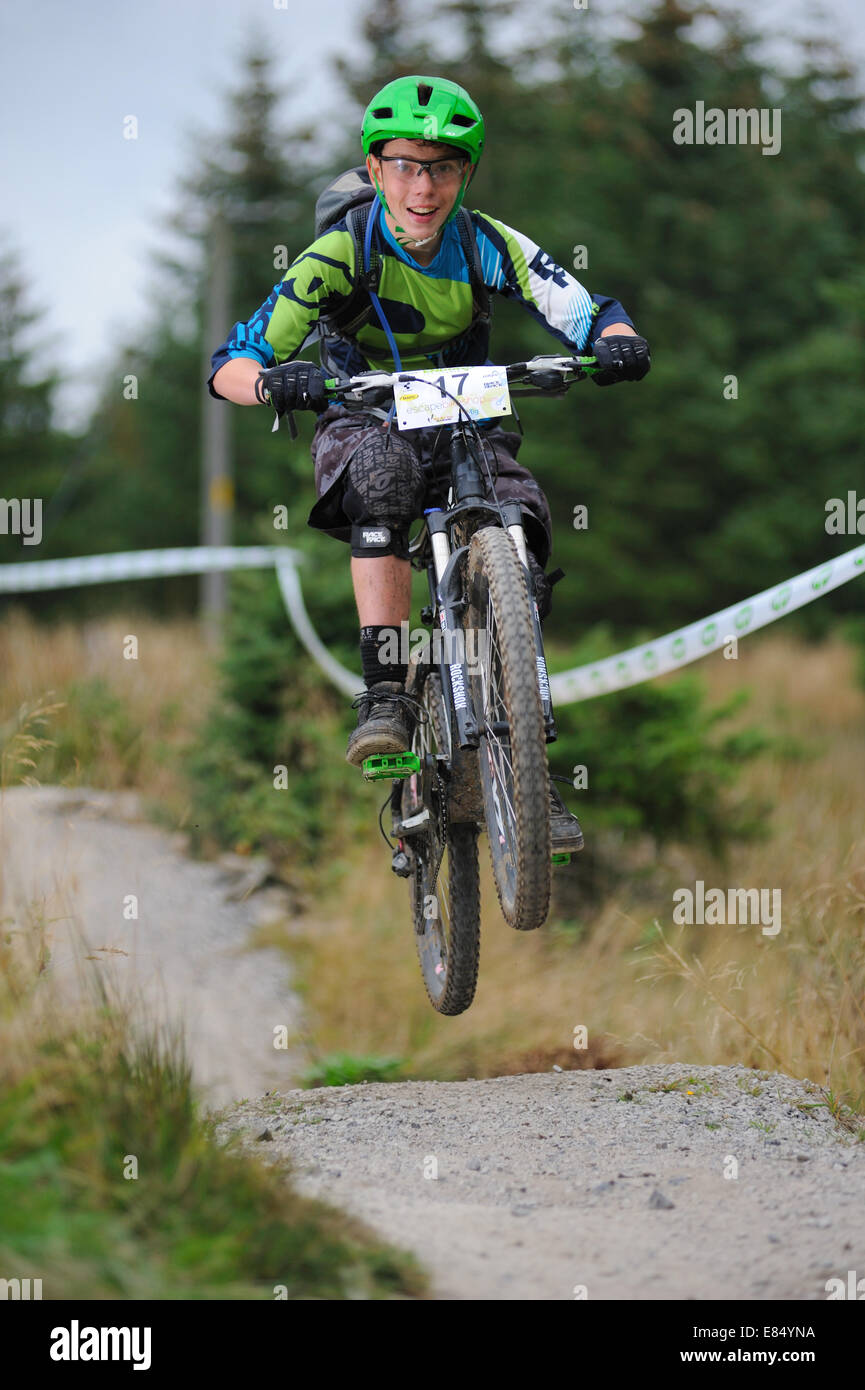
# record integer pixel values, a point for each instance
(319, 278)
(515, 266)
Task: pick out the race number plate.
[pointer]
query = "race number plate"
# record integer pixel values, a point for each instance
(481, 391)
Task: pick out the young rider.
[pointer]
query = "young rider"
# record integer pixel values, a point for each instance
(422, 138)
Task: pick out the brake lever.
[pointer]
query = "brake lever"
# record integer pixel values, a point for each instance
(292, 423)
(549, 381)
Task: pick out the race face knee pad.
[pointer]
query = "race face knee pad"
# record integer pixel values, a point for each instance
(371, 539)
(384, 487)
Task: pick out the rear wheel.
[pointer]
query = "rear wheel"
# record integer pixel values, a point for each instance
(444, 883)
(512, 757)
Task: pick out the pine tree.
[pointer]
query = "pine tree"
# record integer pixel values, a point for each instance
(34, 455)
(144, 453)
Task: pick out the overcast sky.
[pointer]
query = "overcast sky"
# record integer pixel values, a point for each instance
(83, 205)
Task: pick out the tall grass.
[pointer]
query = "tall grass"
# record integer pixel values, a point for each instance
(646, 989)
(112, 1185)
(117, 722)
(613, 961)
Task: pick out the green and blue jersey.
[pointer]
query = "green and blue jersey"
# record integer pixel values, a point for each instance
(426, 306)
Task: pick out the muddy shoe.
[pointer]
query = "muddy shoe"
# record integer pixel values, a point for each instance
(385, 722)
(566, 832)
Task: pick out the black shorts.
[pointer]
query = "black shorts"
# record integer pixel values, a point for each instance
(340, 432)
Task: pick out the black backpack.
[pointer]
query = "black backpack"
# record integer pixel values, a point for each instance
(351, 196)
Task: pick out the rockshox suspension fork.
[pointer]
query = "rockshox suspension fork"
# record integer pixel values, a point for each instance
(447, 599)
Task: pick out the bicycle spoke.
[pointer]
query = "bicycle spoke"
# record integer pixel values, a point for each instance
(503, 782)
(493, 705)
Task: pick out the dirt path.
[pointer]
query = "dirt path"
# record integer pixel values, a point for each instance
(548, 1182)
(77, 857)
(640, 1183)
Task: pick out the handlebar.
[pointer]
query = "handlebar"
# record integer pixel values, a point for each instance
(539, 376)
(548, 375)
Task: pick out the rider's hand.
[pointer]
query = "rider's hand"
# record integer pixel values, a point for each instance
(292, 386)
(624, 358)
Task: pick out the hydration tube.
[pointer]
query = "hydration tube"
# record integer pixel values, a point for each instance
(373, 296)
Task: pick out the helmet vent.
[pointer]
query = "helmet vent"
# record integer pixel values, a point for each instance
(424, 92)
(463, 120)
(383, 113)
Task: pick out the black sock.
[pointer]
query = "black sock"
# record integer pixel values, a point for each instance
(377, 641)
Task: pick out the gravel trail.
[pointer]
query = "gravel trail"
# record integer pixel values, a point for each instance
(648, 1182)
(75, 857)
(600, 1179)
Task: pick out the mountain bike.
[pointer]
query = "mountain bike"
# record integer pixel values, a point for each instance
(484, 713)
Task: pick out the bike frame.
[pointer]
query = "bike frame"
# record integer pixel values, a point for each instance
(449, 529)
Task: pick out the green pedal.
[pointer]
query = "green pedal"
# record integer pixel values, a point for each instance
(561, 858)
(390, 765)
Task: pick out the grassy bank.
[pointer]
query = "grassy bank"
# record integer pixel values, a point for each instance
(112, 1187)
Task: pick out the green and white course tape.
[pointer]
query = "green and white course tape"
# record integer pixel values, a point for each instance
(688, 644)
(618, 672)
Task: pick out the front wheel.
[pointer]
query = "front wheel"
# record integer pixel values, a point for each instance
(512, 757)
(445, 882)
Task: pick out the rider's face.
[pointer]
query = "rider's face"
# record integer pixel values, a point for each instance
(419, 204)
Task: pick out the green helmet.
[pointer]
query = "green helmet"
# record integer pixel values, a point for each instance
(425, 108)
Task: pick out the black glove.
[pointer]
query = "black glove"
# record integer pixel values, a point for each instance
(292, 386)
(623, 357)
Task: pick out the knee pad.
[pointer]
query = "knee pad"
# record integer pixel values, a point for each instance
(384, 493)
(373, 538)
